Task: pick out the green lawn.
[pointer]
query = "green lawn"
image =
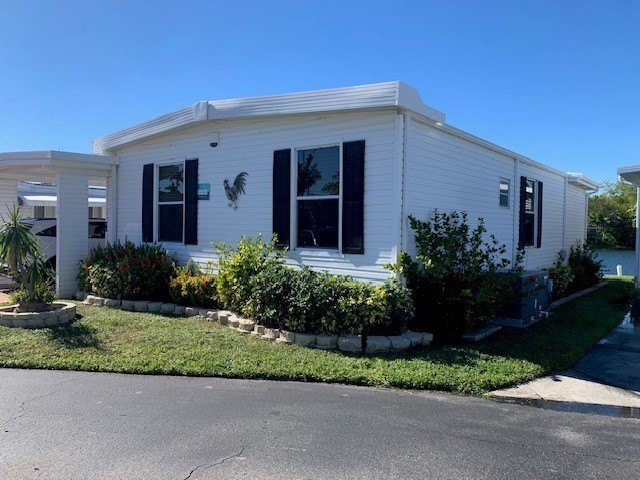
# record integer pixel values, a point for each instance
(116, 341)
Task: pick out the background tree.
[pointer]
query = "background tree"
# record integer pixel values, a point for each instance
(612, 216)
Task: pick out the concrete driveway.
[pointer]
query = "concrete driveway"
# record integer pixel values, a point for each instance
(66, 425)
(608, 375)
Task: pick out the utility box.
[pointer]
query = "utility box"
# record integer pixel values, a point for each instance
(533, 291)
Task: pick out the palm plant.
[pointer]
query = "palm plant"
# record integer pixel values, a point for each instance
(20, 251)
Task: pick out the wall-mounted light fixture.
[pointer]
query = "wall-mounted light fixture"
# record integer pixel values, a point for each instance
(215, 139)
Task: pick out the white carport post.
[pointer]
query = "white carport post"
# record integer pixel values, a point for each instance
(73, 218)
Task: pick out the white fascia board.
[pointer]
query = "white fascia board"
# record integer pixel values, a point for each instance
(580, 180)
(372, 96)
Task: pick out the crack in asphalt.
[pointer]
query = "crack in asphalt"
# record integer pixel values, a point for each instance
(22, 406)
(215, 464)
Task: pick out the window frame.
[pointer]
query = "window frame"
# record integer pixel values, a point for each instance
(157, 202)
(535, 212)
(506, 180)
(295, 198)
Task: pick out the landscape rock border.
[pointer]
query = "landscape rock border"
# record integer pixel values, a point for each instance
(373, 344)
(65, 312)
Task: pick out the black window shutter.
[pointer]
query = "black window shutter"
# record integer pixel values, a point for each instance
(353, 197)
(191, 202)
(523, 198)
(539, 236)
(147, 202)
(282, 196)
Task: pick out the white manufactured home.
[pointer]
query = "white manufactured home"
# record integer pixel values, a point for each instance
(335, 173)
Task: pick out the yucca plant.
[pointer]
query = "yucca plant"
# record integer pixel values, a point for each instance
(20, 251)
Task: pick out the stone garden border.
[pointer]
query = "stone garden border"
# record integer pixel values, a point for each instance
(344, 343)
(63, 313)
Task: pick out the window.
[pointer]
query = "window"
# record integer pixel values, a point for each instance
(95, 212)
(530, 212)
(505, 192)
(318, 197)
(48, 232)
(170, 202)
(44, 212)
(97, 229)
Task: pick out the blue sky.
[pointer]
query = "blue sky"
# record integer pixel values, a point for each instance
(556, 81)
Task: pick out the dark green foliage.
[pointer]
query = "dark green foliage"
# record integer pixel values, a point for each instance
(458, 279)
(253, 280)
(612, 216)
(561, 275)
(127, 271)
(311, 302)
(585, 267)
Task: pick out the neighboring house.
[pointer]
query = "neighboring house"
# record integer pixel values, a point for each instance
(335, 173)
(38, 200)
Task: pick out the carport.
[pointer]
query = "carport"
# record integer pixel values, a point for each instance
(72, 173)
(632, 175)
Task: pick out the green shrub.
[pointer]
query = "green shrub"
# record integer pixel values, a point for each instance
(253, 280)
(561, 275)
(310, 302)
(585, 267)
(192, 287)
(457, 279)
(238, 265)
(127, 271)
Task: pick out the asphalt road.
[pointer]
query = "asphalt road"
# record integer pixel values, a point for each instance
(67, 425)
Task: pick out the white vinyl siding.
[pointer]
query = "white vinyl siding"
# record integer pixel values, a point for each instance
(248, 146)
(447, 173)
(576, 227)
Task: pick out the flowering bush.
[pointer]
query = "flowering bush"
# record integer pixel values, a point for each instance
(193, 287)
(127, 271)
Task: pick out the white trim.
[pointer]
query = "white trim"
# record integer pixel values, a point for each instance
(362, 97)
(398, 186)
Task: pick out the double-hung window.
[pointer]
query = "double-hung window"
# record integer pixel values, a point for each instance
(318, 197)
(170, 204)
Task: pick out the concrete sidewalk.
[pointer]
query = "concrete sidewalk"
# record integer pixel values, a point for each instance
(608, 375)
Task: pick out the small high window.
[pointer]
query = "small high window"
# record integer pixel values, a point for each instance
(505, 192)
(318, 197)
(170, 202)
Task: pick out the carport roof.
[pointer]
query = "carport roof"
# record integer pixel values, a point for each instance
(45, 164)
(630, 174)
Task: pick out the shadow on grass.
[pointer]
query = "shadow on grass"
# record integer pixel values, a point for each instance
(74, 335)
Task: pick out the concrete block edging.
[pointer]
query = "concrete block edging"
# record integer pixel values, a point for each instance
(374, 344)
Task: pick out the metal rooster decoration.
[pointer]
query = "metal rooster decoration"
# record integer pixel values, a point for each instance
(234, 191)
